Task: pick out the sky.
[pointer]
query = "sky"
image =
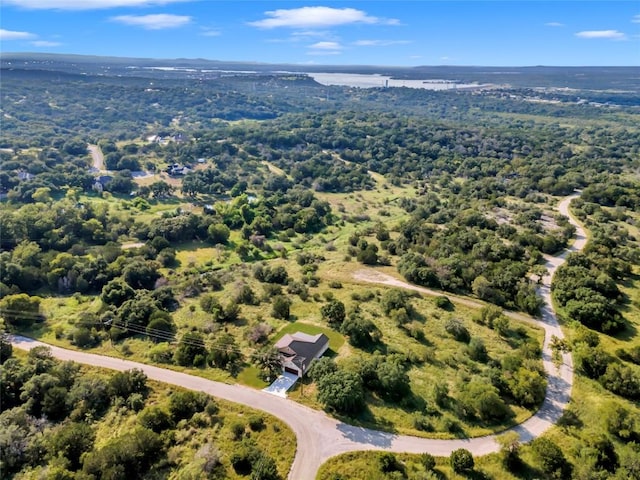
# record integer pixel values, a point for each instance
(357, 32)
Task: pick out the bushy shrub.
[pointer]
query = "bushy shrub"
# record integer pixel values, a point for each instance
(550, 458)
(256, 423)
(457, 330)
(461, 460)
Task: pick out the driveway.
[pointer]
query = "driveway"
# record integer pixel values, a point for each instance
(282, 384)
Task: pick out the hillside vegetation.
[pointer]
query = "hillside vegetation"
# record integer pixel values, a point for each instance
(190, 222)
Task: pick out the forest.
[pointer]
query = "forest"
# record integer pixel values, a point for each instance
(191, 222)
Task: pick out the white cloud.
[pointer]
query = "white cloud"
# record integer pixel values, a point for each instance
(45, 43)
(325, 48)
(157, 21)
(209, 32)
(312, 33)
(636, 19)
(83, 4)
(380, 43)
(311, 17)
(324, 52)
(554, 24)
(13, 35)
(607, 34)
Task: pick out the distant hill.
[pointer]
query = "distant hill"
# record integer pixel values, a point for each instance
(591, 78)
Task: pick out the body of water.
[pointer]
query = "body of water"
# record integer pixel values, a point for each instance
(377, 81)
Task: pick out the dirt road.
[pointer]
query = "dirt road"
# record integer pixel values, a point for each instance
(98, 158)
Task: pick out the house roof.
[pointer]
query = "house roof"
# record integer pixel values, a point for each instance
(303, 346)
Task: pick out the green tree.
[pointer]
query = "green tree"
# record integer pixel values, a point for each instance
(477, 350)
(269, 361)
(127, 456)
(601, 449)
(428, 461)
(333, 313)
(281, 307)
(218, 233)
(341, 391)
(6, 349)
(457, 330)
(224, 352)
(550, 458)
(527, 386)
(54, 403)
(388, 462)
(42, 195)
(510, 450)
(155, 419)
(488, 314)
(70, 441)
(322, 367)
(116, 292)
(184, 404)
(124, 384)
(479, 398)
(141, 274)
(191, 345)
(621, 380)
(35, 391)
(362, 332)
(160, 327)
(396, 299)
(461, 461)
(264, 468)
(393, 380)
(89, 396)
(621, 422)
(20, 310)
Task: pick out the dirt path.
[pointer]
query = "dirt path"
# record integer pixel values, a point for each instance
(320, 437)
(98, 158)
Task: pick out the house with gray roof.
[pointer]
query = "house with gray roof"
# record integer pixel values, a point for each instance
(298, 350)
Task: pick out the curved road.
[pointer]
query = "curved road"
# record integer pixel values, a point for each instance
(320, 437)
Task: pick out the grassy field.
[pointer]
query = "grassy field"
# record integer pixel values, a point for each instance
(442, 359)
(585, 418)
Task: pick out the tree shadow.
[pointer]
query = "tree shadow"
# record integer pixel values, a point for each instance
(240, 322)
(629, 332)
(366, 436)
(522, 470)
(330, 353)
(366, 424)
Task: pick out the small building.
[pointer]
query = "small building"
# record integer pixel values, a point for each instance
(176, 170)
(298, 351)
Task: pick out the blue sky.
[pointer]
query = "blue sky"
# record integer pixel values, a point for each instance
(496, 33)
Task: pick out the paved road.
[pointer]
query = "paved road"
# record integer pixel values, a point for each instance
(320, 437)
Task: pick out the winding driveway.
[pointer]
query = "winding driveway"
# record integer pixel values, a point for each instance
(320, 437)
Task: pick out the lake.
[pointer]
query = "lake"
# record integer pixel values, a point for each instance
(376, 81)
